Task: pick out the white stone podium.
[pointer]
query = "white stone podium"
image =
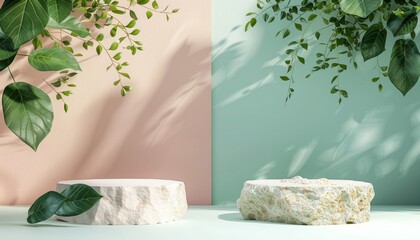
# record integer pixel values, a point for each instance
(306, 201)
(132, 201)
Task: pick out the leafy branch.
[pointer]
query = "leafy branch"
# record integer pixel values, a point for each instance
(350, 27)
(28, 110)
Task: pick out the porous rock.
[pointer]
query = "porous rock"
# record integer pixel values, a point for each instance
(306, 201)
(132, 202)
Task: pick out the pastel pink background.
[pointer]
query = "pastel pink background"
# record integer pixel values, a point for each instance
(162, 129)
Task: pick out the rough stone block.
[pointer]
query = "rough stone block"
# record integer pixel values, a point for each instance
(132, 201)
(306, 201)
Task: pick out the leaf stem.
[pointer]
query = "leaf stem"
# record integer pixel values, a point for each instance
(108, 54)
(54, 90)
(11, 74)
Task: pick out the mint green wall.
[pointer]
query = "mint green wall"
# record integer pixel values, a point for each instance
(371, 136)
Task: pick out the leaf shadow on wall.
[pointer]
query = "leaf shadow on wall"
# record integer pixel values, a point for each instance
(165, 118)
(371, 136)
(161, 139)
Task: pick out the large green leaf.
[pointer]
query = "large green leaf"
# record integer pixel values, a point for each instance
(79, 199)
(361, 8)
(45, 207)
(401, 25)
(373, 42)
(70, 23)
(22, 20)
(27, 112)
(59, 9)
(404, 68)
(52, 59)
(7, 52)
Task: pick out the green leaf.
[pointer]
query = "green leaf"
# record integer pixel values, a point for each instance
(114, 46)
(375, 79)
(59, 9)
(127, 88)
(100, 37)
(402, 25)
(6, 62)
(70, 23)
(133, 15)
(155, 5)
(27, 112)
(79, 199)
(361, 8)
(7, 52)
(131, 24)
(404, 68)
(99, 49)
(45, 207)
(142, 2)
(312, 17)
(135, 32)
(286, 33)
(373, 42)
(23, 20)
(52, 59)
(149, 14)
(380, 87)
(301, 59)
(344, 93)
(252, 22)
(284, 78)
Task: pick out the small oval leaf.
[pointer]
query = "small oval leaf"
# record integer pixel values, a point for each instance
(79, 199)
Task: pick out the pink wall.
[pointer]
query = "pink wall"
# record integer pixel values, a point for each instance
(162, 129)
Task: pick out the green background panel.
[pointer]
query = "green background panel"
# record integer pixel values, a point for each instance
(371, 136)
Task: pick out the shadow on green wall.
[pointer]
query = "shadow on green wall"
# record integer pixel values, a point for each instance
(371, 136)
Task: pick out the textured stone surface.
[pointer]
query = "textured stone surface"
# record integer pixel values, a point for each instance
(132, 201)
(306, 201)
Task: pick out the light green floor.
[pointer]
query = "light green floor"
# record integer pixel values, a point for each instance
(217, 223)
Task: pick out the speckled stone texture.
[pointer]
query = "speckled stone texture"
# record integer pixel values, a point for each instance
(306, 201)
(132, 202)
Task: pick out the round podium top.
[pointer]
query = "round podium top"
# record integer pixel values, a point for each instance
(121, 182)
(303, 182)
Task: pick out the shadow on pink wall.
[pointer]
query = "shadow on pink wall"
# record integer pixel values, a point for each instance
(160, 130)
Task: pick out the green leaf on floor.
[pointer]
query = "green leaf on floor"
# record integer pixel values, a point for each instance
(45, 207)
(79, 199)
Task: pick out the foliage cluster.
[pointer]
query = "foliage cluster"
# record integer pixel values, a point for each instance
(348, 28)
(27, 110)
